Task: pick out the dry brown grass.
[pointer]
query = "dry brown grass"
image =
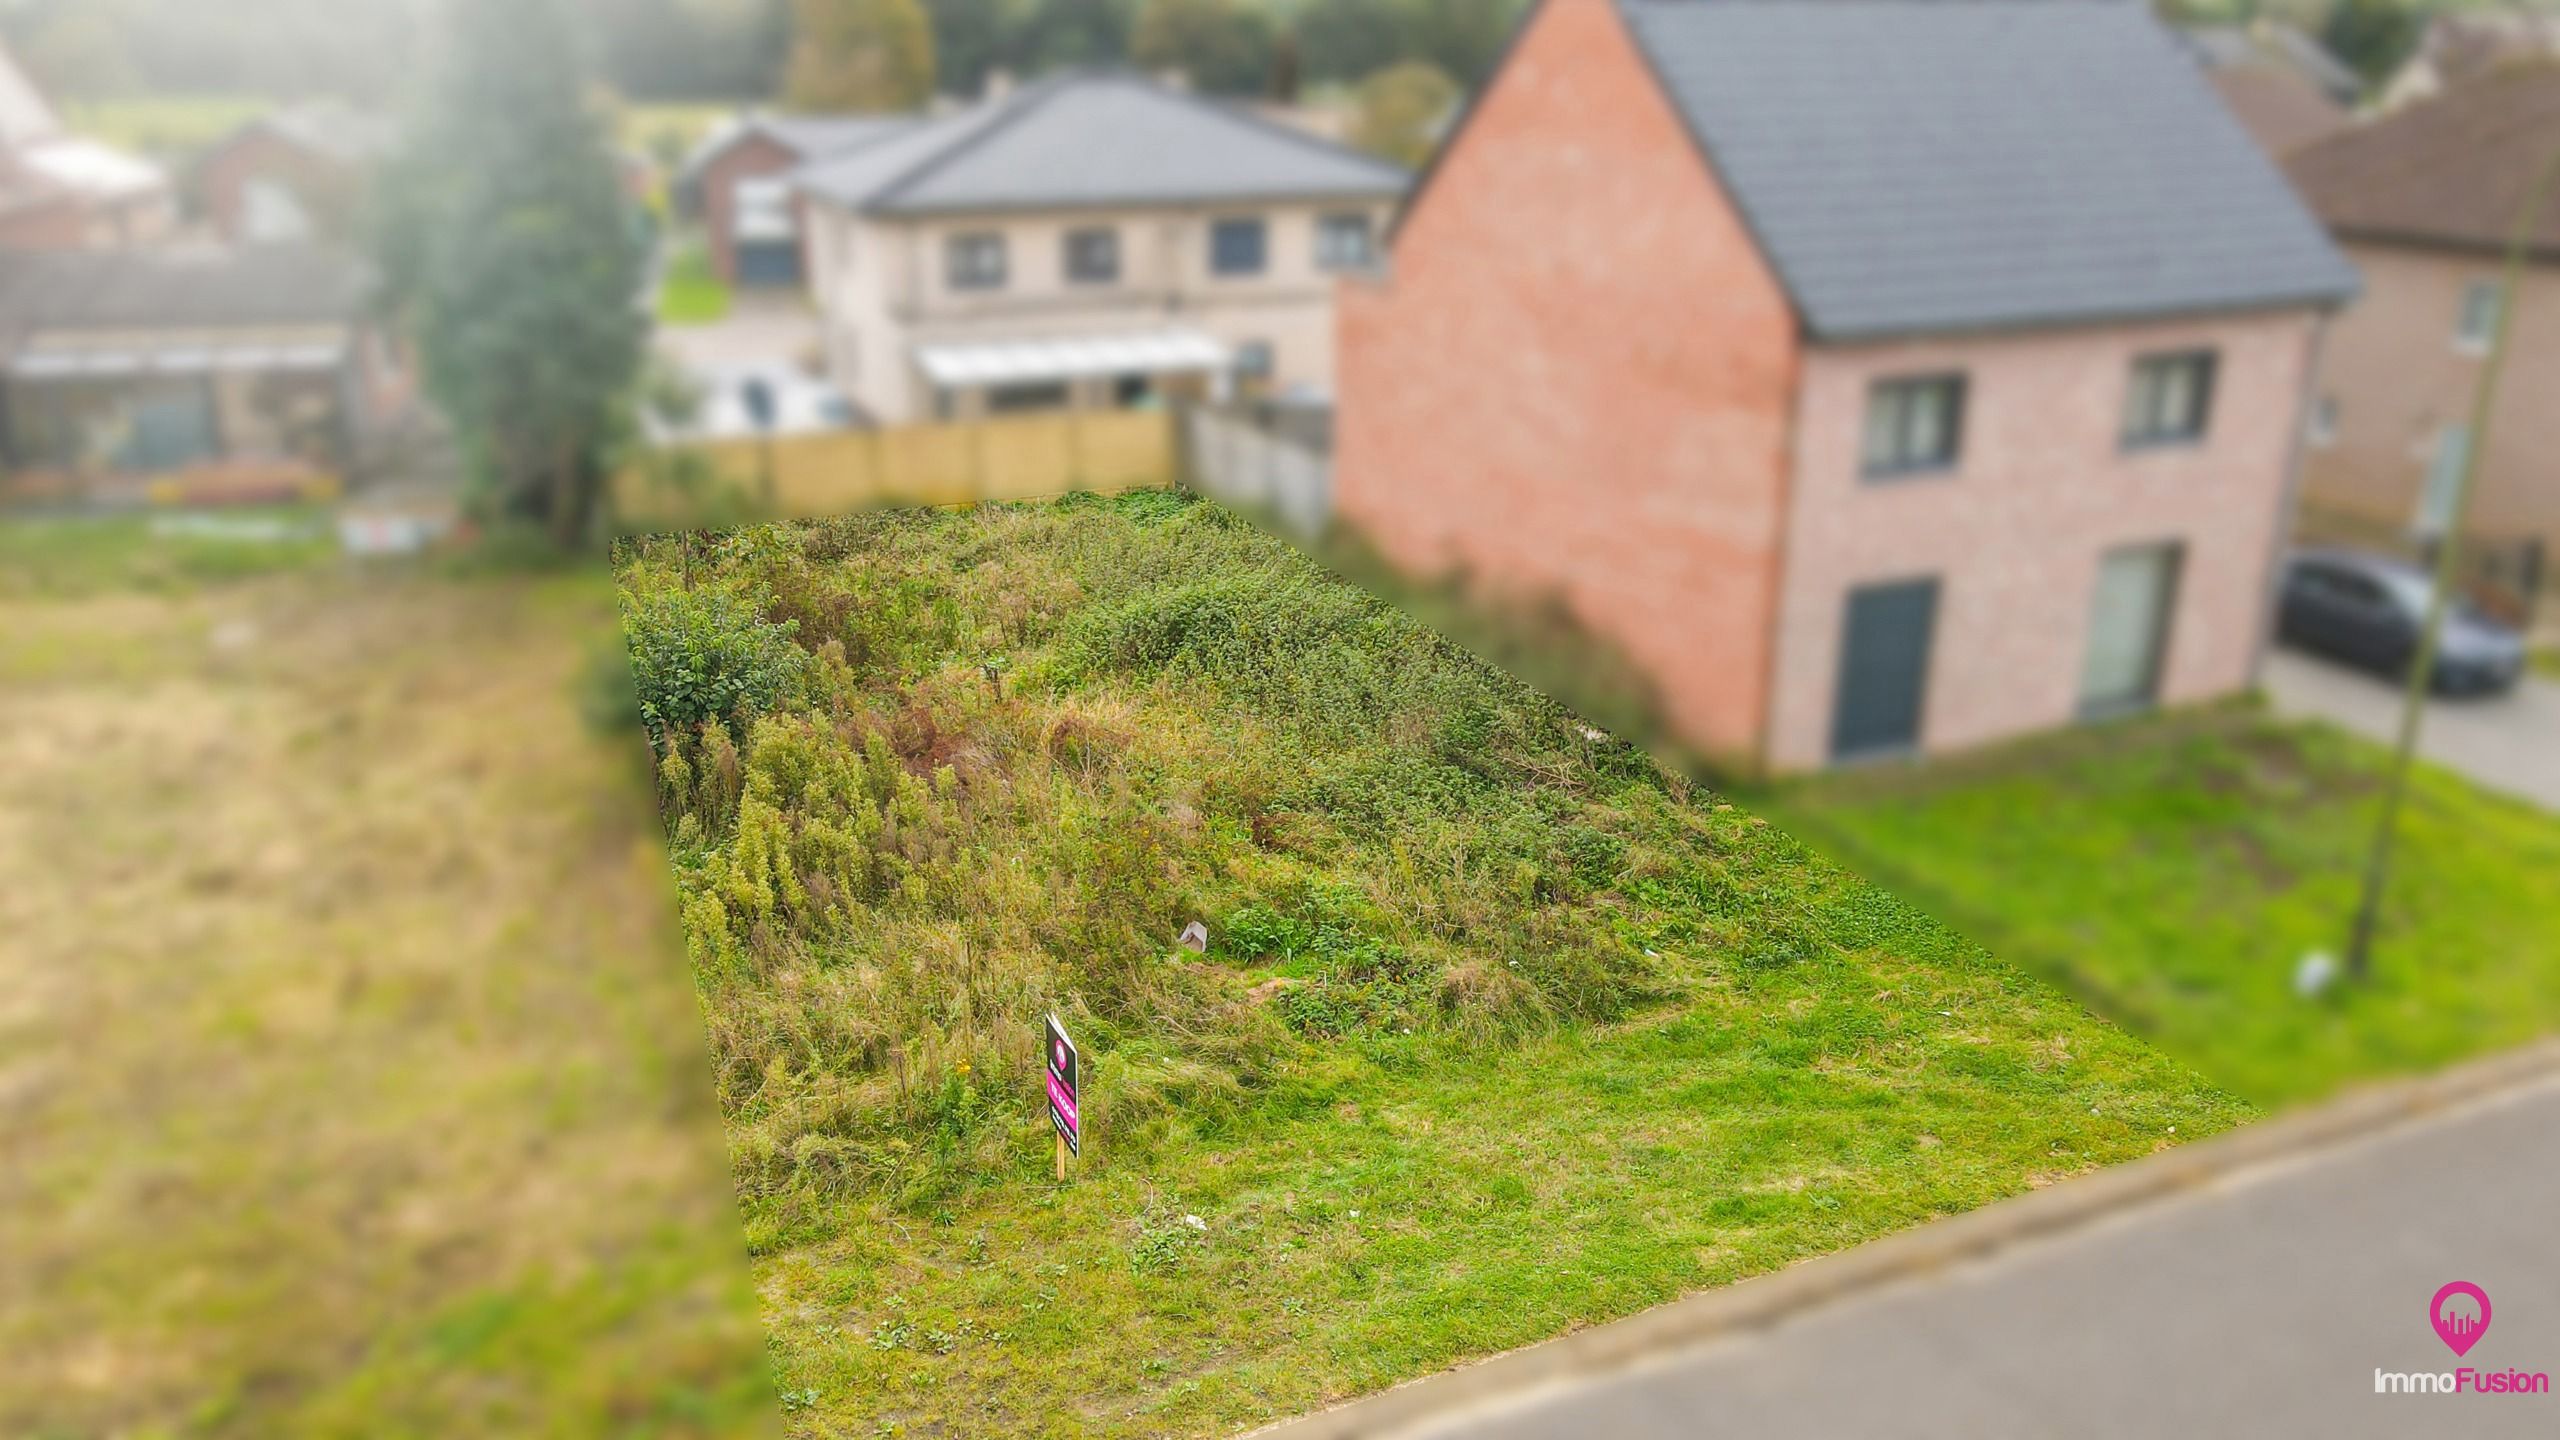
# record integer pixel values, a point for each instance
(349, 1078)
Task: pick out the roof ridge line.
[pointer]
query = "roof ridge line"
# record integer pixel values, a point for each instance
(1016, 105)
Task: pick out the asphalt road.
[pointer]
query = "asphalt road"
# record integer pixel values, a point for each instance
(2256, 1305)
(2506, 742)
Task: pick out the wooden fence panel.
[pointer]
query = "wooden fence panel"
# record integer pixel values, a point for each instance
(1014, 457)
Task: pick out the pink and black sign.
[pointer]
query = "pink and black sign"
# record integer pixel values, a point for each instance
(1062, 1083)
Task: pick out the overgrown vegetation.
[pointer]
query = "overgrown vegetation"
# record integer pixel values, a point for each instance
(1501, 1028)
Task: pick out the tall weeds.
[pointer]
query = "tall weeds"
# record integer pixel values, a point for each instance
(1027, 746)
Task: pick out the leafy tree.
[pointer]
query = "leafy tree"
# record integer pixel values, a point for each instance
(505, 245)
(1401, 111)
(2372, 36)
(1342, 40)
(1462, 37)
(859, 55)
(1223, 47)
(1073, 32)
(969, 39)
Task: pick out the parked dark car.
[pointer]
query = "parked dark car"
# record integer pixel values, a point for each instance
(2368, 610)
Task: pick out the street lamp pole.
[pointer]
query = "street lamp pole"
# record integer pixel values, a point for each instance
(2377, 871)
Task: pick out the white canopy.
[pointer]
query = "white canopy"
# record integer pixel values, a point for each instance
(72, 354)
(1008, 362)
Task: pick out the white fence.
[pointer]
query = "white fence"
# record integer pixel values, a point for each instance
(1255, 467)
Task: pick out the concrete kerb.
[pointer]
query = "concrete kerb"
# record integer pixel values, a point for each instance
(1759, 1303)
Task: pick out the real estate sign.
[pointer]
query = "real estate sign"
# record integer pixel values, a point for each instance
(1062, 1083)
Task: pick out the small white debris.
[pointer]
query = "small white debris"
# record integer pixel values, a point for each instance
(1195, 1222)
(1654, 954)
(2173, 1129)
(1194, 938)
(1594, 736)
(1950, 1014)
(1355, 1214)
(2317, 972)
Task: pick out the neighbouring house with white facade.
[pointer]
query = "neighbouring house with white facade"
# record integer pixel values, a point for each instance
(1092, 240)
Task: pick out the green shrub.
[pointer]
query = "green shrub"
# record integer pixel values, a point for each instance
(699, 655)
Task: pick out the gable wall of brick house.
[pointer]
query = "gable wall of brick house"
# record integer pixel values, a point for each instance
(1577, 377)
(2016, 531)
(325, 188)
(746, 158)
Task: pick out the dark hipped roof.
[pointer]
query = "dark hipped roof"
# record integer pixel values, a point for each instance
(2451, 170)
(1932, 165)
(265, 285)
(1093, 139)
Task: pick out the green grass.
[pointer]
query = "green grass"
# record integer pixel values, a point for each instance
(165, 125)
(2175, 871)
(1502, 1030)
(164, 553)
(691, 294)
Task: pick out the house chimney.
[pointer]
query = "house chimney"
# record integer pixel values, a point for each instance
(998, 84)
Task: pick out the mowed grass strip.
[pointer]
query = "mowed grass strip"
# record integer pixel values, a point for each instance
(2175, 871)
(1503, 1030)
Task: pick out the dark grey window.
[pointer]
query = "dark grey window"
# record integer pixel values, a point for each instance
(1093, 256)
(1238, 247)
(1914, 425)
(1343, 242)
(1253, 360)
(1037, 395)
(2170, 399)
(1883, 684)
(974, 261)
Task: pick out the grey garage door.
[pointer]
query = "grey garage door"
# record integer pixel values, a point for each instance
(769, 262)
(1884, 668)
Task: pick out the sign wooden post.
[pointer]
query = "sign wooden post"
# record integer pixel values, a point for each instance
(1060, 1063)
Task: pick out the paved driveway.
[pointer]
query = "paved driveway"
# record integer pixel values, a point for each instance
(760, 329)
(2506, 742)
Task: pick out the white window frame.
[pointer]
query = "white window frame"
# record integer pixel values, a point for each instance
(1346, 240)
(1891, 430)
(962, 276)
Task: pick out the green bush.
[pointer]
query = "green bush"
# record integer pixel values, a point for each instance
(699, 655)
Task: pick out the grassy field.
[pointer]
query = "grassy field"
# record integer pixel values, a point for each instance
(348, 1082)
(165, 125)
(691, 294)
(1501, 1030)
(2175, 871)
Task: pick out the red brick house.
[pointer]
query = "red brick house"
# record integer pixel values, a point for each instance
(737, 185)
(291, 176)
(1881, 376)
(60, 191)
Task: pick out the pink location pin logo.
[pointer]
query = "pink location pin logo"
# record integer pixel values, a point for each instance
(2455, 1324)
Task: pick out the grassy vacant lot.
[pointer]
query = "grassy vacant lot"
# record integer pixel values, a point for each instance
(2174, 872)
(348, 1083)
(1502, 1030)
(165, 125)
(690, 294)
